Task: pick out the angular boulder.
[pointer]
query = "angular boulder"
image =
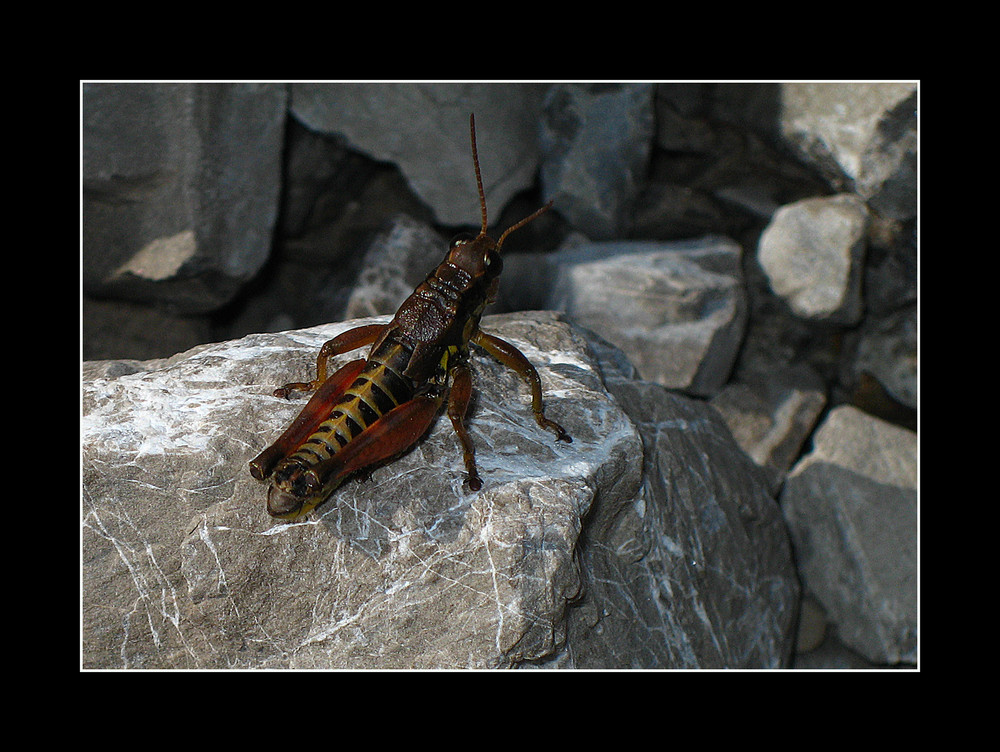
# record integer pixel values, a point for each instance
(602, 552)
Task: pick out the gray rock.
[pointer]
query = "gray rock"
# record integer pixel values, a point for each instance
(812, 252)
(862, 136)
(397, 260)
(771, 419)
(678, 310)
(424, 128)
(546, 565)
(596, 141)
(886, 349)
(119, 329)
(851, 507)
(696, 571)
(180, 189)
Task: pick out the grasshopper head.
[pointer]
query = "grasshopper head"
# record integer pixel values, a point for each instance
(477, 255)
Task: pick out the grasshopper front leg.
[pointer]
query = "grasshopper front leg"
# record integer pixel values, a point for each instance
(458, 404)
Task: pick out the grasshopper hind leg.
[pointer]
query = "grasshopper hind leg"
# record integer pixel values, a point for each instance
(349, 340)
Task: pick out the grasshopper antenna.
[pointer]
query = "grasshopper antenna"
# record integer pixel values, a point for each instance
(479, 177)
(482, 194)
(522, 223)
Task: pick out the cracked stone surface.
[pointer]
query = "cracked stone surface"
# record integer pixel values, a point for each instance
(183, 568)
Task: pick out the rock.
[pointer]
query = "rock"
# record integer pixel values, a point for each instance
(397, 260)
(595, 142)
(812, 626)
(862, 136)
(180, 189)
(335, 199)
(851, 507)
(127, 330)
(812, 252)
(182, 567)
(886, 349)
(696, 571)
(831, 655)
(771, 419)
(678, 310)
(424, 128)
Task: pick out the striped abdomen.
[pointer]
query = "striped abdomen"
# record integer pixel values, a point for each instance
(378, 388)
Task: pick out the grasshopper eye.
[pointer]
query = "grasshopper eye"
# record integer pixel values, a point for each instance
(461, 239)
(493, 262)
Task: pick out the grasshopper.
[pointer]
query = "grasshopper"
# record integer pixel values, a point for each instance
(375, 408)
